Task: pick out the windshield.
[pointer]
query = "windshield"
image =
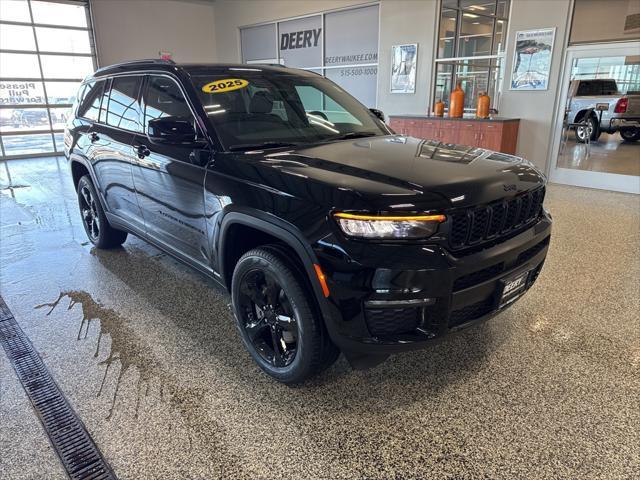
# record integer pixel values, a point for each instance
(250, 108)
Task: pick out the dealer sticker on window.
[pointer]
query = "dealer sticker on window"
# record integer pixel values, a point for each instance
(225, 85)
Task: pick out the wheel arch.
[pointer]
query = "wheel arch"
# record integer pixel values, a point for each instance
(581, 114)
(230, 249)
(81, 166)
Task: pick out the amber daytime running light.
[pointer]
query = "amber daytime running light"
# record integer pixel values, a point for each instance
(388, 226)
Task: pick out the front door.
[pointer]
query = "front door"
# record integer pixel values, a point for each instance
(170, 188)
(606, 158)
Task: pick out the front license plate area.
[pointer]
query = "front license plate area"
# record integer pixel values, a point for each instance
(512, 287)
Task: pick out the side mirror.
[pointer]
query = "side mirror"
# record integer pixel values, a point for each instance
(171, 130)
(377, 113)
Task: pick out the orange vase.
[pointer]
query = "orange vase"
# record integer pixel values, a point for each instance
(483, 105)
(456, 103)
(438, 108)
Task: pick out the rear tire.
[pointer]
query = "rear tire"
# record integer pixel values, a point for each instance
(276, 319)
(593, 128)
(630, 134)
(95, 222)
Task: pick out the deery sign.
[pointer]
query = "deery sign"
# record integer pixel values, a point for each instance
(301, 39)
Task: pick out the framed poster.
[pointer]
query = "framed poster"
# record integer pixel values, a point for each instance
(532, 59)
(404, 60)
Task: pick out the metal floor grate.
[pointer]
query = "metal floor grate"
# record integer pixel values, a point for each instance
(68, 435)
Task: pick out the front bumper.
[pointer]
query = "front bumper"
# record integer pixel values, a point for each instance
(403, 297)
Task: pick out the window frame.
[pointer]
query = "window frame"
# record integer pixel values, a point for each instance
(39, 51)
(138, 99)
(200, 132)
(457, 61)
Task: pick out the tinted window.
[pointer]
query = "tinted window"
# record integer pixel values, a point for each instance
(163, 98)
(90, 105)
(123, 110)
(597, 87)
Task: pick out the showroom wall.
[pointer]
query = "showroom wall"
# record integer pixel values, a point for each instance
(535, 108)
(134, 29)
(401, 21)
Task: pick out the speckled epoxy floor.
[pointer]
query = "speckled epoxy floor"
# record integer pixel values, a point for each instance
(147, 354)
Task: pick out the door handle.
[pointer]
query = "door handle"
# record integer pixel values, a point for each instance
(94, 137)
(142, 151)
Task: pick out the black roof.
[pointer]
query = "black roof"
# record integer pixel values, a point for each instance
(194, 68)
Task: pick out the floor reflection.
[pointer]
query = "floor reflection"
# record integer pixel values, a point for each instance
(609, 154)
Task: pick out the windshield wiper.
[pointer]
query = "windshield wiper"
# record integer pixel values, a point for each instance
(260, 146)
(349, 135)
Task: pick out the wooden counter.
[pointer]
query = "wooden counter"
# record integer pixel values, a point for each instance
(497, 133)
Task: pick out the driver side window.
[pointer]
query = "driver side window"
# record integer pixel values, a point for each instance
(163, 98)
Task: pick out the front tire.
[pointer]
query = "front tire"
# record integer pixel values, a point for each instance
(95, 222)
(276, 319)
(630, 134)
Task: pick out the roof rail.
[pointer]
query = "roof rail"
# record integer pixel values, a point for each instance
(136, 62)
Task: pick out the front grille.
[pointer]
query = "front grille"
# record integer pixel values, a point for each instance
(474, 226)
(392, 321)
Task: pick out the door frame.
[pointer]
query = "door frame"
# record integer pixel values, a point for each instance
(586, 178)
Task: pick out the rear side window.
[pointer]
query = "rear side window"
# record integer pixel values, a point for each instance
(163, 98)
(123, 110)
(90, 104)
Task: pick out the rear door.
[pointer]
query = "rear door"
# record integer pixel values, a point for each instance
(112, 137)
(170, 189)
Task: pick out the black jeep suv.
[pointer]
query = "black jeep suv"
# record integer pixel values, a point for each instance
(331, 232)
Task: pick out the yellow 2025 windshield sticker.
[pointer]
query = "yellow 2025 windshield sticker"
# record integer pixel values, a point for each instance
(225, 85)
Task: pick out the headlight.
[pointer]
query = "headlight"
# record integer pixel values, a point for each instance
(388, 227)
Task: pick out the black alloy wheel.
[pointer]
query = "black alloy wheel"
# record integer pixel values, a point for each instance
(277, 315)
(89, 212)
(94, 221)
(268, 318)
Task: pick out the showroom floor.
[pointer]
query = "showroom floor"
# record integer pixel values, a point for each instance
(610, 153)
(146, 352)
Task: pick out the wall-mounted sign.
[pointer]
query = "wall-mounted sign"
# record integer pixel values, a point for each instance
(404, 59)
(165, 55)
(300, 42)
(532, 59)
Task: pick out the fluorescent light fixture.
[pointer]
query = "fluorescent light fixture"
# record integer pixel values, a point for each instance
(217, 105)
(470, 15)
(215, 112)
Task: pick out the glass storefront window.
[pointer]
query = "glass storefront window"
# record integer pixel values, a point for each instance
(21, 93)
(14, 65)
(59, 14)
(63, 40)
(448, 27)
(471, 47)
(21, 119)
(17, 37)
(41, 68)
(15, 11)
(27, 144)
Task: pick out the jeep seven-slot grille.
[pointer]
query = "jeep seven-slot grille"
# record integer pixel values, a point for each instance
(476, 225)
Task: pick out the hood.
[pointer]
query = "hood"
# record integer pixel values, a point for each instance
(392, 171)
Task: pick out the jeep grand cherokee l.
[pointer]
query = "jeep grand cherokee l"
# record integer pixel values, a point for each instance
(331, 233)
